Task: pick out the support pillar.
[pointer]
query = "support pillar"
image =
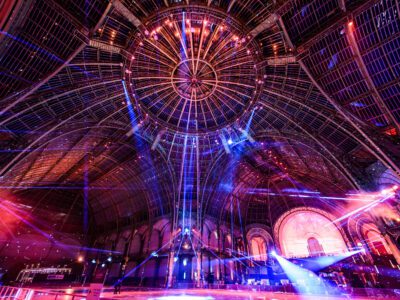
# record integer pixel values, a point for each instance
(219, 253)
(170, 269)
(198, 258)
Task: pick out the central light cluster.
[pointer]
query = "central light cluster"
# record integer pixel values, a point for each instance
(194, 72)
(194, 79)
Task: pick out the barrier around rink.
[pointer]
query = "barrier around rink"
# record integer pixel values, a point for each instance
(18, 293)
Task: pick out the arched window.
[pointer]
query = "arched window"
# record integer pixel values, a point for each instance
(314, 247)
(377, 243)
(214, 240)
(305, 233)
(258, 242)
(228, 242)
(258, 247)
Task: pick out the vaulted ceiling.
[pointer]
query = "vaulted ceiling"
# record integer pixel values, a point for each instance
(139, 105)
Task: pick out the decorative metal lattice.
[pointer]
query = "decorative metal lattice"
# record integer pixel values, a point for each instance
(194, 72)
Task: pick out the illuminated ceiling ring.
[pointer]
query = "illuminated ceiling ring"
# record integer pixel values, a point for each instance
(194, 85)
(194, 72)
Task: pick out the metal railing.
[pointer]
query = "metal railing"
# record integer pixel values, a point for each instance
(11, 292)
(293, 289)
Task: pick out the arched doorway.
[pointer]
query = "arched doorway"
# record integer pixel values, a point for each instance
(259, 243)
(258, 248)
(375, 241)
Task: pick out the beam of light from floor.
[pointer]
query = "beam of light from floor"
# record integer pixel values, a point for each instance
(190, 176)
(368, 241)
(302, 191)
(46, 187)
(19, 78)
(245, 132)
(33, 46)
(248, 125)
(363, 208)
(305, 281)
(43, 51)
(46, 235)
(232, 221)
(241, 222)
(360, 197)
(26, 222)
(176, 256)
(326, 197)
(78, 247)
(216, 256)
(28, 131)
(141, 147)
(225, 144)
(247, 257)
(7, 228)
(315, 195)
(183, 49)
(193, 248)
(85, 198)
(152, 254)
(235, 258)
(227, 185)
(183, 182)
(24, 215)
(131, 111)
(318, 263)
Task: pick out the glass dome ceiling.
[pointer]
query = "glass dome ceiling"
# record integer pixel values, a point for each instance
(194, 71)
(202, 79)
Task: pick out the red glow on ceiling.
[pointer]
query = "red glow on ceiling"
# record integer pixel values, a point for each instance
(391, 132)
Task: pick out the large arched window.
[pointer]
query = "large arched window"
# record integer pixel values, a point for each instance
(259, 240)
(377, 243)
(305, 233)
(258, 246)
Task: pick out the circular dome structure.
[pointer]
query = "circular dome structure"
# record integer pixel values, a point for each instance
(194, 71)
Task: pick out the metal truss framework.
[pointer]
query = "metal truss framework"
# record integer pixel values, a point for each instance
(140, 43)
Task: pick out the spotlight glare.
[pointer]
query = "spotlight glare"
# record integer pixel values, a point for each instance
(230, 142)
